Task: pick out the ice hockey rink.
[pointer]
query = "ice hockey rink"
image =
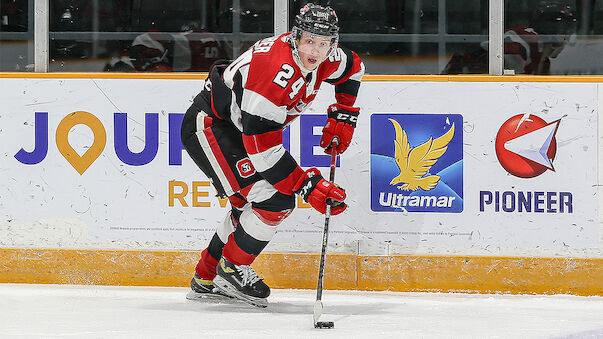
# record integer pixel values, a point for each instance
(69, 311)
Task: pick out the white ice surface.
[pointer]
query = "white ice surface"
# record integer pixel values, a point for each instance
(63, 311)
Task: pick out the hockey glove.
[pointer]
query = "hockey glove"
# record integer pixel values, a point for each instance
(341, 123)
(317, 192)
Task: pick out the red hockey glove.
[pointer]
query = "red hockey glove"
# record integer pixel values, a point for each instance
(317, 192)
(341, 123)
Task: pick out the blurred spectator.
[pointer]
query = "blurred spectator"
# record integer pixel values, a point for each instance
(13, 15)
(191, 50)
(528, 48)
(15, 51)
(68, 17)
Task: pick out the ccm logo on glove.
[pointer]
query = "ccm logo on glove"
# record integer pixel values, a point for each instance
(350, 119)
(317, 192)
(340, 124)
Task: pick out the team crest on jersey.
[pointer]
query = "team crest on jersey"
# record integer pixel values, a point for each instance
(245, 168)
(417, 163)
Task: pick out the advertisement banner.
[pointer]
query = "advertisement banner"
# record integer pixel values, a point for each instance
(463, 167)
(418, 168)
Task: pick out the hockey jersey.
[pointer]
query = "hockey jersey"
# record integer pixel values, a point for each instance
(524, 52)
(264, 89)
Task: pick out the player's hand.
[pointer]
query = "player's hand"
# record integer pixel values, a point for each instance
(341, 123)
(317, 192)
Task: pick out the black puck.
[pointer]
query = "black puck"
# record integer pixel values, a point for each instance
(324, 324)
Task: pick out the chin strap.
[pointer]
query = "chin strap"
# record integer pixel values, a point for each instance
(299, 63)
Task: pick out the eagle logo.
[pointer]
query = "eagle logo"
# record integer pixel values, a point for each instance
(415, 162)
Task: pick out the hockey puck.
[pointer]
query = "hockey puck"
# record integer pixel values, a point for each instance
(324, 324)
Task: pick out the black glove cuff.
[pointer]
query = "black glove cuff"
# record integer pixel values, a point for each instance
(347, 117)
(308, 186)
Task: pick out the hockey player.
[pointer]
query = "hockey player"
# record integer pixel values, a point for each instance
(526, 51)
(169, 52)
(233, 132)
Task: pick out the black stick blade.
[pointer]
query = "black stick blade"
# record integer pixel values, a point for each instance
(324, 324)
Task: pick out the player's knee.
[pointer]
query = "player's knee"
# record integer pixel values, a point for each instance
(274, 210)
(271, 218)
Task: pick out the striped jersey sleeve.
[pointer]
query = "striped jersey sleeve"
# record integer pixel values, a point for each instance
(347, 76)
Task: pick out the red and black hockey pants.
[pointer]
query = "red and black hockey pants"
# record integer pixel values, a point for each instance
(257, 207)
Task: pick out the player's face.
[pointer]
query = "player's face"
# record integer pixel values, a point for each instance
(313, 49)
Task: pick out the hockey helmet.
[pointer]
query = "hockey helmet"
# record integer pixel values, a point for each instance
(554, 17)
(317, 20)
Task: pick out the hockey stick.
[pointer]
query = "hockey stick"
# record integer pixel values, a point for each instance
(323, 254)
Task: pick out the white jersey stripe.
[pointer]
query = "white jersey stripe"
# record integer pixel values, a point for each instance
(232, 69)
(267, 159)
(235, 110)
(235, 113)
(225, 228)
(244, 70)
(256, 104)
(261, 191)
(342, 64)
(210, 154)
(358, 75)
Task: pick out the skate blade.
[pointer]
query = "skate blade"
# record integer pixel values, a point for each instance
(227, 288)
(192, 295)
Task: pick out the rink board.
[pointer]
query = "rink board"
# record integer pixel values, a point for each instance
(403, 273)
(98, 163)
(136, 189)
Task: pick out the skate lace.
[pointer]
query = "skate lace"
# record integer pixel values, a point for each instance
(248, 274)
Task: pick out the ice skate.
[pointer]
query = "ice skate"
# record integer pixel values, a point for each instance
(204, 289)
(241, 282)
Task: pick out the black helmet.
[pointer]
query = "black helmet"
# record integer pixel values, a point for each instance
(317, 20)
(554, 17)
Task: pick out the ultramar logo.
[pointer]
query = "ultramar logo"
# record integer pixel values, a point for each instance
(416, 163)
